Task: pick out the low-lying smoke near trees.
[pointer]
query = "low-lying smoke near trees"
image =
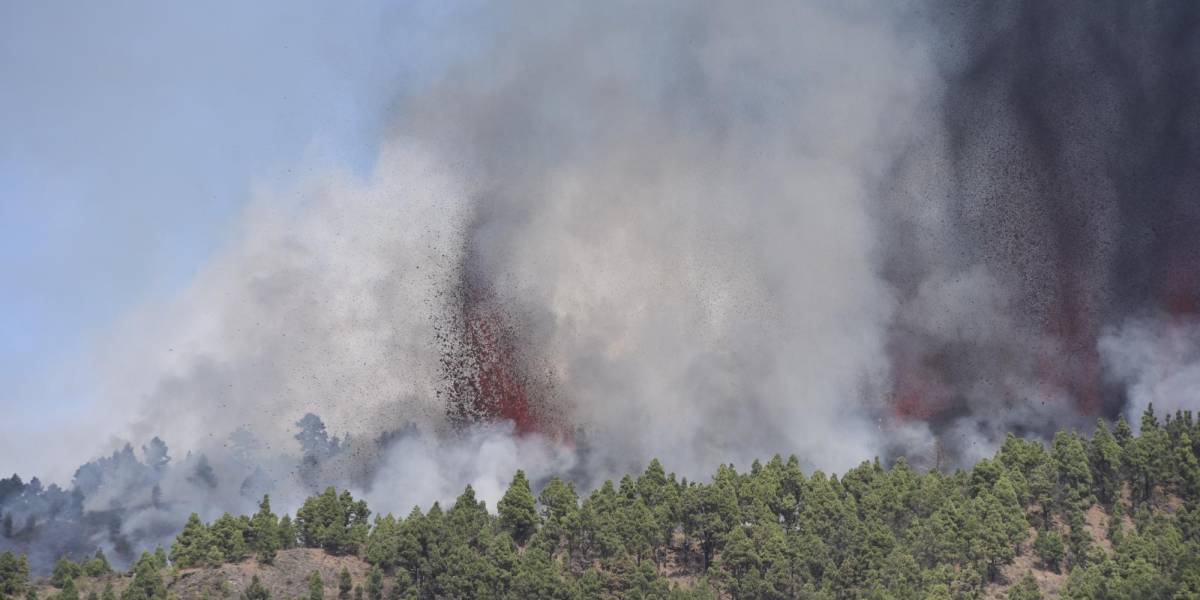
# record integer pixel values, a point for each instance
(699, 233)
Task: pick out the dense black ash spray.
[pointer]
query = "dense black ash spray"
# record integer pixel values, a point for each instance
(1068, 141)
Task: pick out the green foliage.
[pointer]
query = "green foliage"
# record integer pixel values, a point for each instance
(193, 545)
(215, 557)
(518, 511)
(287, 533)
(68, 591)
(229, 535)
(14, 574)
(1026, 589)
(1050, 549)
(383, 542)
(538, 576)
(97, 565)
(147, 582)
(772, 532)
(1104, 456)
(256, 590)
(64, 570)
(375, 584)
(1074, 474)
(334, 522)
(263, 535)
(316, 587)
(344, 584)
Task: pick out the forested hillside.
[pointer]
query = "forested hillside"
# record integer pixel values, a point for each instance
(1113, 515)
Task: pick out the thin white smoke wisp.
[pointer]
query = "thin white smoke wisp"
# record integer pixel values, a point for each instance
(1158, 362)
(423, 468)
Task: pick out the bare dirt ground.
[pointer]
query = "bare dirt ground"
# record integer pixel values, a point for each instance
(286, 578)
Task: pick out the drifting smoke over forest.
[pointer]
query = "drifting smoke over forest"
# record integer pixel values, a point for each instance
(701, 233)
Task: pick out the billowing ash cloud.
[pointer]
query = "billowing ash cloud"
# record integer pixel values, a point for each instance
(1052, 199)
(666, 214)
(707, 234)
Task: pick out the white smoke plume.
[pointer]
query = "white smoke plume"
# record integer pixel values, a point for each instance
(673, 202)
(1158, 361)
(324, 304)
(713, 233)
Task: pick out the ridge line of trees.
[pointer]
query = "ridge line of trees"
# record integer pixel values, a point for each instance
(771, 532)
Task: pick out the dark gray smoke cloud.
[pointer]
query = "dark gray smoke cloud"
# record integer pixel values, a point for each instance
(1067, 148)
(707, 234)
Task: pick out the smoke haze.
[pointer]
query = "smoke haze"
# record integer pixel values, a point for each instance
(700, 233)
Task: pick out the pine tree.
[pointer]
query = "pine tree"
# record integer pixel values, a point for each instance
(518, 510)
(467, 518)
(636, 526)
(97, 565)
(345, 585)
(1186, 476)
(402, 587)
(264, 532)
(1074, 473)
(287, 533)
(215, 557)
(739, 565)
(356, 523)
(1050, 549)
(1145, 456)
(316, 587)
(192, 546)
(1026, 589)
(1104, 455)
(1043, 490)
(68, 591)
(375, 584)
(501, 555)
(14, 574)
(409, 548)
(256, 590)
(1016, 526)
(228, 534)
(537, 577)
(339, 524)
(1141, 579)
(147, 581)
(64, 570)
(383, 542)
(988, 533)
(711, 511)
(1078, 539)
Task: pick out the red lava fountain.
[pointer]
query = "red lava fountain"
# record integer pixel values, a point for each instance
(486, 376)
(501, 393)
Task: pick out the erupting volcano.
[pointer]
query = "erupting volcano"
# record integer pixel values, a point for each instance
(483, 375)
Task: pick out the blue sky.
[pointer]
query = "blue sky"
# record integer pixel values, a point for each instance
(132, 133)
